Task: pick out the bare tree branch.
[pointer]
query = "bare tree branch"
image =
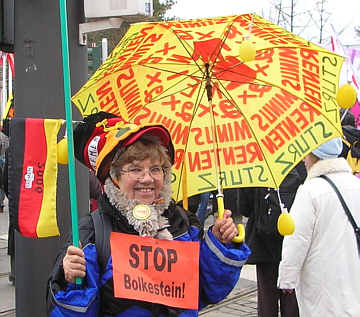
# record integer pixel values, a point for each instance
(357, 31)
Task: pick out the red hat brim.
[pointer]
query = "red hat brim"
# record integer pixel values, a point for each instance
(114, 142)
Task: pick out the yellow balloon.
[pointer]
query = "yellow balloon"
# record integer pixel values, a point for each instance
(285, 224)
(346, 96)
(247, 51)
(62, 152)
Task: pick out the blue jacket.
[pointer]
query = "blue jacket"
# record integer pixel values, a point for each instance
(219, 266)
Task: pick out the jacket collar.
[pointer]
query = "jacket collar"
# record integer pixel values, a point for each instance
(334, 165)
(155, 225)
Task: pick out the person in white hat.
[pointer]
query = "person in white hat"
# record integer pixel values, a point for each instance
(321, 259)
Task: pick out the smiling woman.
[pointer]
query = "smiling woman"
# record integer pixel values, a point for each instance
(138, 219)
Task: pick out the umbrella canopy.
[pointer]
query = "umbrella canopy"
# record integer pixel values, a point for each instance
(242, 120)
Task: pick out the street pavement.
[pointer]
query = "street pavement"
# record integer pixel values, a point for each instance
(240, 302)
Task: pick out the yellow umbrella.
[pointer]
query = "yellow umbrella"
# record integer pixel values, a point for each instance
(243, 99)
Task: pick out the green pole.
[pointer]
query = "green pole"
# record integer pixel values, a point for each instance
(69, 131)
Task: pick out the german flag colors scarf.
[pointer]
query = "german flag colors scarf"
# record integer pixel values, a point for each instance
(32, 176)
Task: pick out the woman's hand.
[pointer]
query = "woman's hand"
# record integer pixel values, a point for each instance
(74, 264)
(224, 229)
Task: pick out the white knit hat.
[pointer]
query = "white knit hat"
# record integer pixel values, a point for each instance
(330, 149)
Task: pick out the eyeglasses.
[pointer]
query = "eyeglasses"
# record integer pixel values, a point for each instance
(155, 172)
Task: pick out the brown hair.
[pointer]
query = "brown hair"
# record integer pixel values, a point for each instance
(144, 148)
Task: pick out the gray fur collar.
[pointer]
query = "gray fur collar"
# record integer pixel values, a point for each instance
(334, 165)
(154, 226)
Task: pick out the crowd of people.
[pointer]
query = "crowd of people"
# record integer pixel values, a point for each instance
(130, 193)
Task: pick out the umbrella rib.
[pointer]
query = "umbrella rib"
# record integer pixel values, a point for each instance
(232, 100)
(264, 83)
(169, 71)
(300, 98)
(185, 61)
(196, 107)
(229, 97)
(186, 49)
(162, 95)
(222, 43)
(224, 36)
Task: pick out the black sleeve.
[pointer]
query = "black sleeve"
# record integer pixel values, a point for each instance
(181, 220)
(246, 197)
(193, 203)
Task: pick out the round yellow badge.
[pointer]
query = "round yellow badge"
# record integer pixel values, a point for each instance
(141, 212)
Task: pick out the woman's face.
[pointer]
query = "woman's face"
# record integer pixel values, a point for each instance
(142, 180)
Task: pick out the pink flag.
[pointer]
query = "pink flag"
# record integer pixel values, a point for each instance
(350, 70)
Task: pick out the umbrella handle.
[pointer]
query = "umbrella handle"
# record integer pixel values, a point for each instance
(241, 230)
